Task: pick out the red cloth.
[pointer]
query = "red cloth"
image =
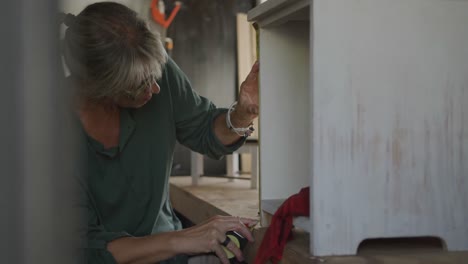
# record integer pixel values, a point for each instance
(279, 231)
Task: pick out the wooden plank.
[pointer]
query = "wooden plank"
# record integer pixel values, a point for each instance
(246, 57)
(192, 207)
(213, 196)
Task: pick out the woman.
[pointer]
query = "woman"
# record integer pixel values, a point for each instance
(133, 103)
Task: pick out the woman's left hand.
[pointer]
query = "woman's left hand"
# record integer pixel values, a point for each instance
(208, 237)
(247, 107)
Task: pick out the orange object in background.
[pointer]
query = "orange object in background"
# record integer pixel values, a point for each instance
(160, 17)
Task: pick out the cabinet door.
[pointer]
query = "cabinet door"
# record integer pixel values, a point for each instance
(390, 126)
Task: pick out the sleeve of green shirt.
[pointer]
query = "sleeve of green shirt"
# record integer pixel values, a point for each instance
(194, 116)
(98, 237)
(95, 236)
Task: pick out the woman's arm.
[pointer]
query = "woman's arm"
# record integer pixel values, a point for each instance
(148, 249)
(203, 238)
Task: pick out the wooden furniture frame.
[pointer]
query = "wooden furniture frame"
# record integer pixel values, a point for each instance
(366, 102)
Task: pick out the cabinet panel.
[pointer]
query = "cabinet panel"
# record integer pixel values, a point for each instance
(379, 125)
(390, 104)
(284, 108)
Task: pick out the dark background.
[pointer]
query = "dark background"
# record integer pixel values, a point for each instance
(205, 48)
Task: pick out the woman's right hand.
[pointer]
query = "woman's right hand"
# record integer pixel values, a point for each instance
(208, 237)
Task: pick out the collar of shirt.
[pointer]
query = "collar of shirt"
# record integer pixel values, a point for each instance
(127, 127)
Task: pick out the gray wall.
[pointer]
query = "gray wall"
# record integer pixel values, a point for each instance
(37, 222)
(204, 35)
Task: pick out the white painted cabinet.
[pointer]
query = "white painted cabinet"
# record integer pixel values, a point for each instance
(366, 102)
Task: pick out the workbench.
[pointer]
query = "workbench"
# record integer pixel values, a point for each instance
(219, 196)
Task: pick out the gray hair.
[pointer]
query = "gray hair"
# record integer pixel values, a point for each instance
(110, 50)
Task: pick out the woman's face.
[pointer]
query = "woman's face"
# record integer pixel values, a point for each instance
(140, 97)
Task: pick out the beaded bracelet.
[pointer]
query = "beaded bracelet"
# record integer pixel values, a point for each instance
(241, 131)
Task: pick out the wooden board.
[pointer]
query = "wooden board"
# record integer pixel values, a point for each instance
(246, 55)
(213, 196)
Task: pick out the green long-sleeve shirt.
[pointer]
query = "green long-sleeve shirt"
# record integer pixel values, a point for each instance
(127, 186)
